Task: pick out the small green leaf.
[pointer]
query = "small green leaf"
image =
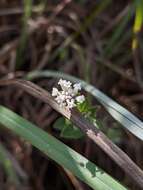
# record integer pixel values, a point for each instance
(59, 123)
(83, 107)
(67, 129)
(71, 132)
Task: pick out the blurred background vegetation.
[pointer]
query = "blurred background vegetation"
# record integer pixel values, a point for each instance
(98, 41)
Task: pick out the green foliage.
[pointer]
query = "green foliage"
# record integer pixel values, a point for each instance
(56, 150)
(83, 107)
(67, 129)
(89, 112)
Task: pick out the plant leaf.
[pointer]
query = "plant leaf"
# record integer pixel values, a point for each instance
(67, 129)
(119, 113)
(62, 154)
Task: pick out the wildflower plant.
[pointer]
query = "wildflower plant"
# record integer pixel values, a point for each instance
(69, 96)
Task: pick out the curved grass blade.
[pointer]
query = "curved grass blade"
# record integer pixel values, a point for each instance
(119, 113)
(8, 166)
(118, 33)
(138, 22)
(56, 150)
(24, 35)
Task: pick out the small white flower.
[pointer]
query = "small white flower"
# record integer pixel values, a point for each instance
(70, 103)
(60, 98)
(77, 88)
(67, 96)
(55, 92)
(65, 85)
(80, 99)
(63, 104)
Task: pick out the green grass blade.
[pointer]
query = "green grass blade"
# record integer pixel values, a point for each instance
(8, 166)
(119, 113)
(118, 32)
(24, 34)
(138, 22)
(62, 154)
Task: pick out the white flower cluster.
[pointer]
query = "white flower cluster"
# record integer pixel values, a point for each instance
(68, 96)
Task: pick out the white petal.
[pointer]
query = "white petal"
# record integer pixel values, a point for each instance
(64, 83)
(80, 99)
(77, 86)
(70, 103)
(55, 92)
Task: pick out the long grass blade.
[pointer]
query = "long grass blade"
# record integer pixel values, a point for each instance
(24, 34)
(117, 34)
(119, 113)
(8, 166)
(138, 22)
(62, 154)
